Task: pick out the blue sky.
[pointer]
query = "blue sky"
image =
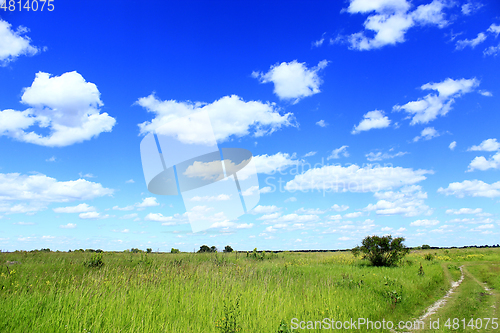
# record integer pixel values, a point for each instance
(363, 117)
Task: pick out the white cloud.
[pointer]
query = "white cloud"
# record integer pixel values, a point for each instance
(472, 43)
(130, 181)
(266, 189)
(147, 202)
(294, 218)
(318, 42)
(68, 226)
(427, 134)
(229, 116)
(321, 123)
(353, 215)
(462, 211)
(311, 153)
(379, 156)
(291, 199)
(272, 163)
(485, 93)
(337, 152)
(341, 208)
(431, 106)
(452, 145)
(409, 201)
(424, 223)
(371, 120)
(293, 80)
(494, 29)
(39, 190)
(220, 197)
(315, 211)
(471, 7)
(81, 208)
(158, 218)
(481, 163)
(264, 209)
(244, 226)
(90, 215)
(67, 105)
(492, 50)
(391, 20)
(486, 145)
(52, 159)
(334, 178)
(124, 208)
(13, 43)
(472, 188)
(24, 223)
(271, 216)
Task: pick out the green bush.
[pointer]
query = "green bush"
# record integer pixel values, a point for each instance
(94, 261)
(175, 250)
(382, 251)
(228, 249)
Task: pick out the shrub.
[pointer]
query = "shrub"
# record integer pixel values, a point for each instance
(382, 251)
(175, 250)
(429, 256)
(425, 247)
(134, 250)
(94, 261)
(229, 322)
(203, 249)
(149, 250)
(228, 249)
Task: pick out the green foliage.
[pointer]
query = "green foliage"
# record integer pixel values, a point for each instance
(429, 257)
(149, 250)
(421, 270)
(229, 321)
(425, 247)
(134, 250)
(382, 251)
(95, 261)
(283, 328)
(205, 249)
(176, 251)
(228, 249)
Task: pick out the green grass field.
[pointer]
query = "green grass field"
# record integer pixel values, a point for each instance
(188, 292)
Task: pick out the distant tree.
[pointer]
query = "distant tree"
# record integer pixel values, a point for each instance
(213, 249)
(425, 247)
(382, 251)
(134, 250)
(228, 249)
(149, 250)
(204, 248)
(175, 251)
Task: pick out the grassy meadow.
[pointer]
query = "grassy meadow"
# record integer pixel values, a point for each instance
(233, 292)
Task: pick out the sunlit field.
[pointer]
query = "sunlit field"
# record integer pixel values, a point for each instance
(231, 292)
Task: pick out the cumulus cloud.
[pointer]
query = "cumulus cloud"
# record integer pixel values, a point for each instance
(462, 211)
(371, 120)
(293, 80)
(37, 191)
(427, 134)
(389, 20)
(264, 209)
(309, 211)
(424, 223)
(494, 29)
(81, 208)
(379, 156)
(340, 208)
(492, 50)
(337, 152)
(311, 153)
(472, 188)
(230, 116)
(409, 201)
(90, 215)
(14, 43)
(481, 163)
(271, 163)
(146, 202)
(433, 105)
(471, 7)
(472, 43)
(321, 123)
(335, 178)
(66, 105)
(68, 226)
(452, 145)
(486, 145)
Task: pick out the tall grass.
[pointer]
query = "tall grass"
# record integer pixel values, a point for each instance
(186, 292)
